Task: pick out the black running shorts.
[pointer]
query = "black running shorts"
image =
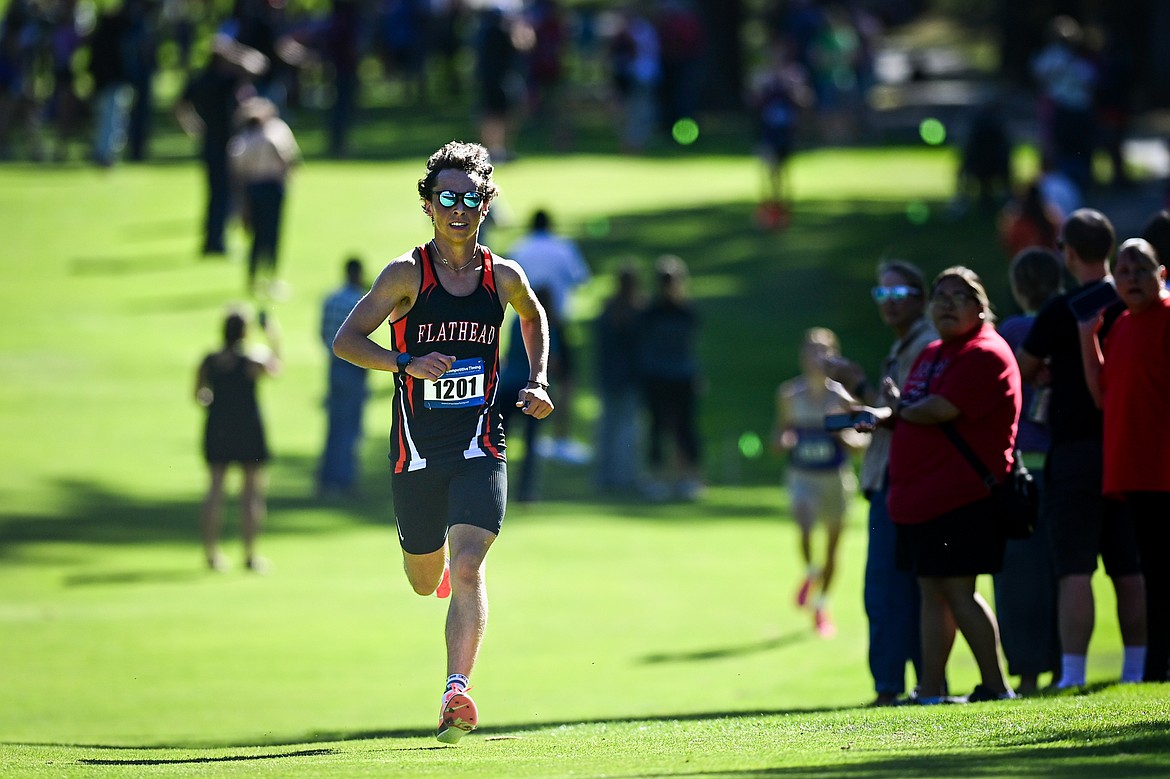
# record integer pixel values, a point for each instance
(429, 501)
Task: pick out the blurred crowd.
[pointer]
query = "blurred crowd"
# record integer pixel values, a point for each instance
(78, 73)
(1067, 387)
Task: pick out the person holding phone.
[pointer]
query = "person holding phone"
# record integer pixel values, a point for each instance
(1084, 525)
(891, 595)
(819, 476)
(234, 432)
(1130, 380)
(445, 302)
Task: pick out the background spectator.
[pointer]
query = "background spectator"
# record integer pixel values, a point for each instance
(616, 333)
(1067, 79)
(1028, 220)
(339, 471)
(261, 156)
(1025, 589)
(1131, 382)
(206, 110)
(554, 263)
(986, 168)
(891, 595)
(636, 69)
(668, 354)
(1157, 232)
(112, 94)
(499, 43)
(1083, 523)
(225, 385)
(967, 383)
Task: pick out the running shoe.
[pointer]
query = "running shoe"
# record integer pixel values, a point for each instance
(824, 625)
(457, 716)
(981, 694)
(444, 588)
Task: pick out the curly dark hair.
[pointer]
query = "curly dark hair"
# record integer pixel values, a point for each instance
(471, 158)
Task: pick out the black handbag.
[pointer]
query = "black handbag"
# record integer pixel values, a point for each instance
(1017, 498)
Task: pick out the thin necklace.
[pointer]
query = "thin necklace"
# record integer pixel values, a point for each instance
(449, 265)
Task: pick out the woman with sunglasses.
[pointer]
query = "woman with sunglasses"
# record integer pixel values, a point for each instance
(891, 595)
(946, 525)
(445, 302)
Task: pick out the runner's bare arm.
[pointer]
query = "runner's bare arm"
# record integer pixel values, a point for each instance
(514, 290)
(390, 298)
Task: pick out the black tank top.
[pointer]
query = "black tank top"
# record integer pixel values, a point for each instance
(455, 417)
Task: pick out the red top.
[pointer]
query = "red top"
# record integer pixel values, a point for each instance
(979, 376)
(1136, 385)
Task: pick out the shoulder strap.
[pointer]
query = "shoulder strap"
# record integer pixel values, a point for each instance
(968, 454)
(427, 277)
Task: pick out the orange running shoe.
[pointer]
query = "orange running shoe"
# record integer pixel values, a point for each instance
(444, 588)
(457, 715)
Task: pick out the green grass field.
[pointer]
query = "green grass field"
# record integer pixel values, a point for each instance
(625, 640)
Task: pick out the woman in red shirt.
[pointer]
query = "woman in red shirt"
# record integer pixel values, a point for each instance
(947, 533)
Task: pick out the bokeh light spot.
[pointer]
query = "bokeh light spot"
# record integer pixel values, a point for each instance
(917, 212)
(932, 131)
(685, 131)
(750, 445)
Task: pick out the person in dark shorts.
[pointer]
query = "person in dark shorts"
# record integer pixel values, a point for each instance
(225, 385)
(1129, 379)
(1084, 525)
(966, 384)
(445, 303)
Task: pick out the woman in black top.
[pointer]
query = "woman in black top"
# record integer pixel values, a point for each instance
(234, 433)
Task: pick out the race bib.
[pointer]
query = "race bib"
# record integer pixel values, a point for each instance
(817, 450)
(463, 385)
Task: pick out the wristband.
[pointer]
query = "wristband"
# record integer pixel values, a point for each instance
(540, 384)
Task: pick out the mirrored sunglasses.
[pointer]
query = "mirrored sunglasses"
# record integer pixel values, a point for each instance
(898, 292)
(447, 198)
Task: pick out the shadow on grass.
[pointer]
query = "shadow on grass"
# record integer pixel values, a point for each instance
(1136, 750)
(720, 653)
(91, 513)
(133, 577)
(197, 760)
(122, 265)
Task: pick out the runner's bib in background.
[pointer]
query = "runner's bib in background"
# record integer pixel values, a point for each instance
(817, 450)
